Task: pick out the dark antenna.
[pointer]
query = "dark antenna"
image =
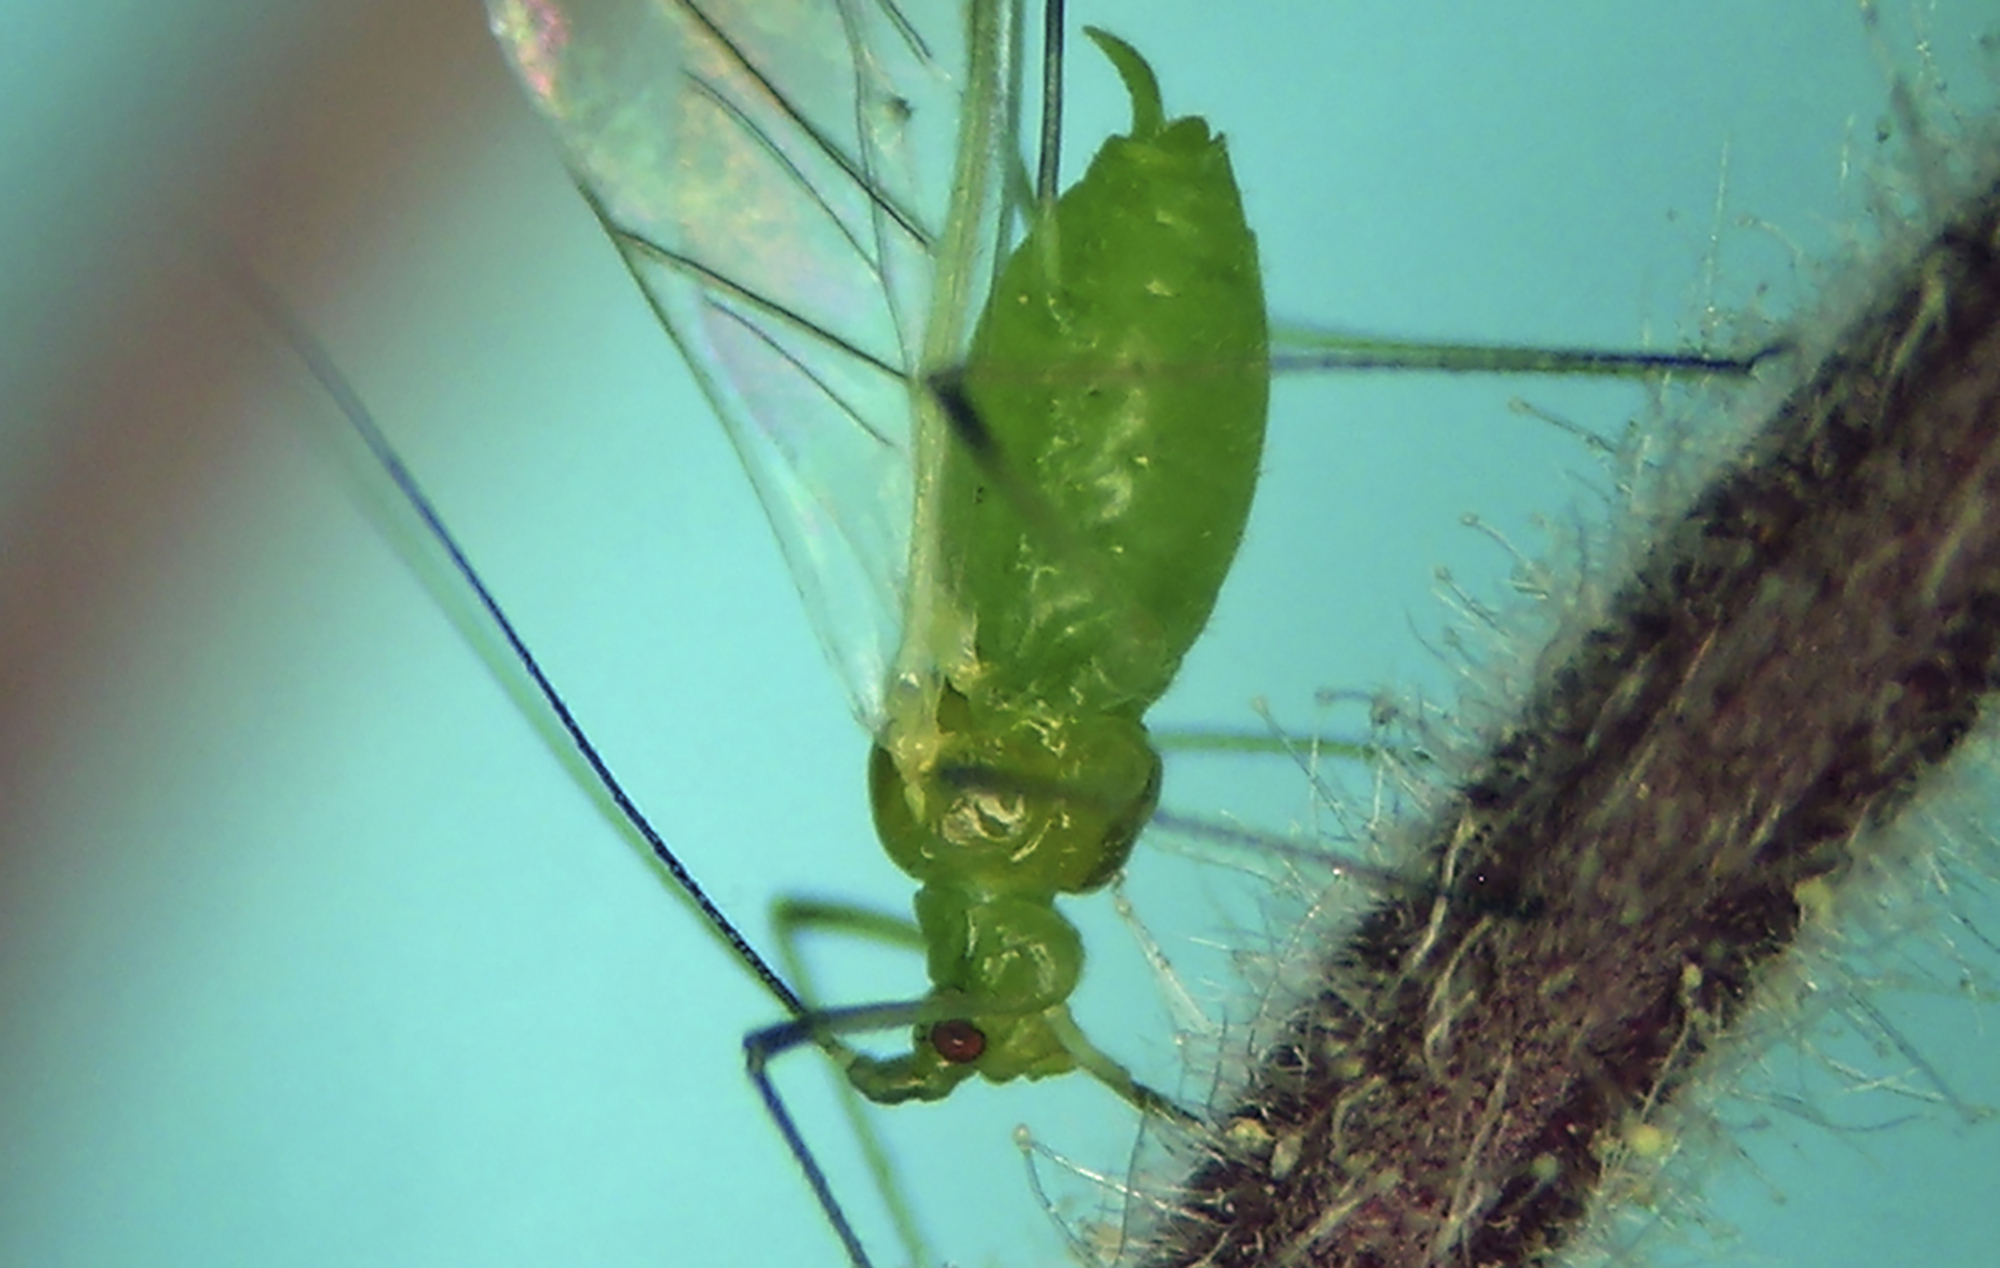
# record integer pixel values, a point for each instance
(320, 365)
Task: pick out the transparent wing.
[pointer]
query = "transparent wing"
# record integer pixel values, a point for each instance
(809, 191)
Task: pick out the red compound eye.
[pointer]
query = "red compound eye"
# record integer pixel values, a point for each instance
(958, 1041)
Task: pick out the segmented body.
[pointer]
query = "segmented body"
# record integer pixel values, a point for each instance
(1072, 548)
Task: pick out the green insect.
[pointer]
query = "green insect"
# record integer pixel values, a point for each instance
(1009, 442)
(1058, 567)
(1063, 562)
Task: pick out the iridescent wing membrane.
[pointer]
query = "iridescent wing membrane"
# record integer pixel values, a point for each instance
(809, 193)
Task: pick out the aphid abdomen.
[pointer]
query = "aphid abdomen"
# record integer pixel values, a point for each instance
(1121, 367)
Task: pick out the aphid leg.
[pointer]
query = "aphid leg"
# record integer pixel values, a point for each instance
(1048, 167)
(792, 917)
(1226, 741)
(1298, 349)
(1095, 1062)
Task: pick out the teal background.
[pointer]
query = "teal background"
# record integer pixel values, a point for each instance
(309, 951)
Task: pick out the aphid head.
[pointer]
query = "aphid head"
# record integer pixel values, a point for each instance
(1011, 964)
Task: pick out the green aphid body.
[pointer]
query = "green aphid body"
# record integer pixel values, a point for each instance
(1120, 369)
